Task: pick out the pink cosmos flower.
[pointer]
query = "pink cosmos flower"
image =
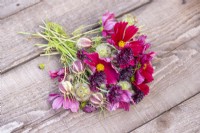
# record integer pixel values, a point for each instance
(108, 22)
(60, 101)
(145, 72)
(57, 74)
(100, 65)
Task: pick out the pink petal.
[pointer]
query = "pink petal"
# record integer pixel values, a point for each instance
(53, 74)
(111, 74)
(57, 103)
(53, 96)
(66, 103)
(74, 105)
(139, 78)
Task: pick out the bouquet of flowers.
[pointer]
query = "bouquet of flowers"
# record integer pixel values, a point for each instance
(108, 71)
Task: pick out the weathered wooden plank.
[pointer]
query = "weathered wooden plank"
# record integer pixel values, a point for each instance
(182, 118)
(10, 7)
(25, 102)
(16, 49)
(175, 81)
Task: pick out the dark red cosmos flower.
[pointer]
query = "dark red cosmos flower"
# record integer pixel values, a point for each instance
(145, 72)
(108, 22)
(100, 65)
(139, 46)
(143, 88)
(122, 34)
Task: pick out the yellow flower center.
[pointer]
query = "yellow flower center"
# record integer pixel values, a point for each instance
(100, 67)
(145, 66)
(121, 44)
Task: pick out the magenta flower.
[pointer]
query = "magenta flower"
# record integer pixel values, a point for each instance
(57, 74)
(108, 23)
(118, 98)
(60, 101)
(145, 71)
(100, 65)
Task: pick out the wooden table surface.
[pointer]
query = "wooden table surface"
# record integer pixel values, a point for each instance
(173, 105)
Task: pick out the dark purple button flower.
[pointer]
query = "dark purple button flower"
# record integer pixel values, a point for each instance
(125, 58)
(96, 80)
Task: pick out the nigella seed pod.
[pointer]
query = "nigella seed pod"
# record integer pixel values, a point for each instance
(65, 87)
(97, 99)
(83, 43)
(78, 66)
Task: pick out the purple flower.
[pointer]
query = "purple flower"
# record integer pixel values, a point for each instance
(118, 98)
(57, 74)
(126, 74)
(89, 108)
(60, 101)
(108, 23)
(125, 58)
(96, 80)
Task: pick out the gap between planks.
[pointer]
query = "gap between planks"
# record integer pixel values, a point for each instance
(34, 55)
(165, 112)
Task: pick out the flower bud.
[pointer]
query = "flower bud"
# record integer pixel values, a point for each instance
(65, 87)
(97, 99)
(103, 50)
(78, 66)
(83, 43)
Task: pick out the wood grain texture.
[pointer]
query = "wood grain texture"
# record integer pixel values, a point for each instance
(25, 88)
(16, 49)
(184, 118)
(10, 7)
(25, 103)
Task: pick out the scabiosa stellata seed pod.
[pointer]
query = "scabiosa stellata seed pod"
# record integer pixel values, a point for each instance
(103, 50)
(83, 43)
(78, 66)
(125, 85)
(81, 91)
